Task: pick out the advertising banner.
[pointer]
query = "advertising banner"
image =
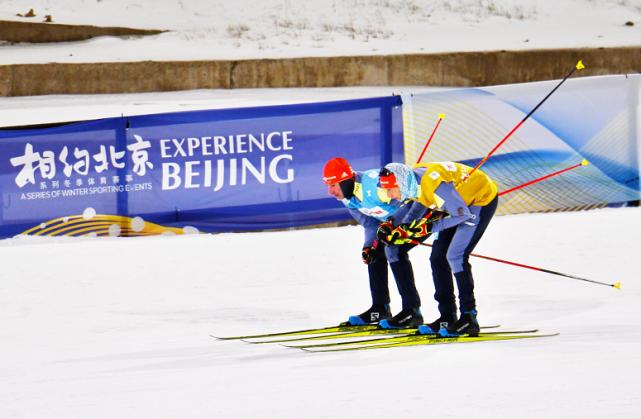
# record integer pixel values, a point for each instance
(261, 168)
(593, 118)
(203, 171)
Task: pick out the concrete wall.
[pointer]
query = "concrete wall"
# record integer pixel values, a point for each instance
(452, 69)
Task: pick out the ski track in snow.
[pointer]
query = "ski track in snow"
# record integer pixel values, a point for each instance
(104, 327)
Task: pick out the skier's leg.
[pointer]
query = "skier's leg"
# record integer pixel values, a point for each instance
(442, 273)
(378, 277)
(465, 239)
(404, 274)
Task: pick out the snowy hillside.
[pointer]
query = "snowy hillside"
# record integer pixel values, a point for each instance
(245, 29)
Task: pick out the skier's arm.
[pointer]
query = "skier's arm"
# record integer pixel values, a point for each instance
(370, 225)
(454, 205)
(416, 212)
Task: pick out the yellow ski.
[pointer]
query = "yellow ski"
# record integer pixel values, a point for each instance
(425, 341)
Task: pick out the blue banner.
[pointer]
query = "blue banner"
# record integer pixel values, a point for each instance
(203, 171)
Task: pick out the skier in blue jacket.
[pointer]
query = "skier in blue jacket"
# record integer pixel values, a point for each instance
(369, 204)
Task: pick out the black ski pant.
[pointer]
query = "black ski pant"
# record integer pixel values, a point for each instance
(442, 272)
(403, 274)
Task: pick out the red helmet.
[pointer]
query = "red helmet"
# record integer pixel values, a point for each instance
(388, 179)
(337, 170)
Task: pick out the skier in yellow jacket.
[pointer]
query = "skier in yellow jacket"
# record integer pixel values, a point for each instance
(471, 201)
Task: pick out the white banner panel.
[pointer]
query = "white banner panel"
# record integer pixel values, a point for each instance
(591, 118)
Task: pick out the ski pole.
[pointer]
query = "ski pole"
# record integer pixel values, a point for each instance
(440, 118)
(579, 66)
(617, 285)
(583, 163)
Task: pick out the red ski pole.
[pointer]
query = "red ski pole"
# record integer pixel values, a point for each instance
(579, 66)
(617, 285)
(440, 118)
(583, 163)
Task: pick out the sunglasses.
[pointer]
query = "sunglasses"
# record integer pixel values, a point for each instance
(384, 172)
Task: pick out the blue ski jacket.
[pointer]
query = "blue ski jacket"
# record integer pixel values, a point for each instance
(370, 205)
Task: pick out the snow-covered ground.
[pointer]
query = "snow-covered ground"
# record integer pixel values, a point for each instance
(119, 328)
(244, 29)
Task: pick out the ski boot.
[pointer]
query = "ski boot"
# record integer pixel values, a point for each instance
(409, 317)
(375, 314)
(466, 325)
(433, 328)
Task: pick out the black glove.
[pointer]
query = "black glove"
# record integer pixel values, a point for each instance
(384, 231)
(435, 215)
(369, 255)
(405, 232)
(419, 228)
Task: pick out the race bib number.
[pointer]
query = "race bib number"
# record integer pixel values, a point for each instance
(375, 212)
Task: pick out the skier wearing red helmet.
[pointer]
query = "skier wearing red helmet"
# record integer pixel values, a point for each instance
(368, 203)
